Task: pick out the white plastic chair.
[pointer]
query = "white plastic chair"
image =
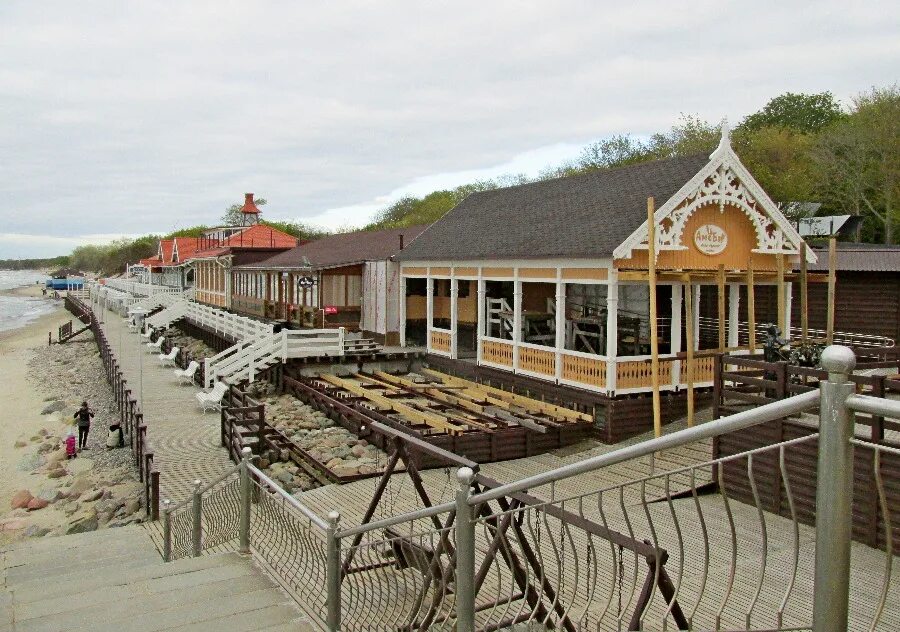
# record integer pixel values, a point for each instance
(168, 359)
(187, 374)
(213, 399)
(155, 346)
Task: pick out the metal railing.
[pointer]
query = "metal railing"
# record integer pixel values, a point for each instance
(569, 550)
(709, 327)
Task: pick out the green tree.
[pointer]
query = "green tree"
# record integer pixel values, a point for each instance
(858, 159)
(191, 231)
(804, 113)
(779, 158)
(233, 215)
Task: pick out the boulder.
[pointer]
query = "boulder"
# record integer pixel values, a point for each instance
(132, 505)
(21, 499)
(56, 472)
(20, 444)
(88, 523)
(91, 496)
(35, 531)
(37, 503)
(53, 407)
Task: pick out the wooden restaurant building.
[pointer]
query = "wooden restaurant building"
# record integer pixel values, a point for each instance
(219, 249)
(551, 281)
(345, 280)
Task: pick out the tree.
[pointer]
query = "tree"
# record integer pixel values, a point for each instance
(191, 231)
(780, 161)
(805, 113)
(233, 215)
(858, 159)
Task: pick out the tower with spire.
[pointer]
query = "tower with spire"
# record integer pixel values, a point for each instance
(249, 211)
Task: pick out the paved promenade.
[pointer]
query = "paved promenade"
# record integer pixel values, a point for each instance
(185, 440)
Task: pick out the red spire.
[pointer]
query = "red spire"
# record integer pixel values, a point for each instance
(249, 206)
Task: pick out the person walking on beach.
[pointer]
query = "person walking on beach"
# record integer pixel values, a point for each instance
(83, 415)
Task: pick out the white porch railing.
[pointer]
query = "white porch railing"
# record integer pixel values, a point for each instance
(141, 289)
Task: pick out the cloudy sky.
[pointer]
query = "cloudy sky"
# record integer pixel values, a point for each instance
(127, 118)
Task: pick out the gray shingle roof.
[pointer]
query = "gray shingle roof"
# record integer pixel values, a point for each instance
(343, 249)
(587, 215)
(853, 257)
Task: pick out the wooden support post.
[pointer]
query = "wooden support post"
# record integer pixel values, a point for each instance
(654, 333)
(804, 297)
(832, 282)
(751, 308)
(779, 263)
(689, 345)
(720, 292)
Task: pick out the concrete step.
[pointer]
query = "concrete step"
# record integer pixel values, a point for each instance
(114, 580)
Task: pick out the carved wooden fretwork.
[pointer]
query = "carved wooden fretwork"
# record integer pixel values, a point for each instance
(722, 183)
(722, 188)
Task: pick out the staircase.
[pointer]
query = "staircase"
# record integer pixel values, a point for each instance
(168, 315)
(248, 357)
(115, 580)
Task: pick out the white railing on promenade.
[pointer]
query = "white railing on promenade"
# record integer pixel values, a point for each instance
(137, 288)
(573, 558)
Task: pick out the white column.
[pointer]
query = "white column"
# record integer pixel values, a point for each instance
(401, 310)
(612, 330)
(429, 309)
(226, 273)
(454, 286)
(517, 318)
(560, 321)
(788, 305)
(734, 299)
(480, 325)
(675, 333)
(697, 317)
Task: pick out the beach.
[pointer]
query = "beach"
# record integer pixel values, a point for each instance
(42, 387)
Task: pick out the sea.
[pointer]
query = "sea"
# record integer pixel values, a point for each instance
(18, 311)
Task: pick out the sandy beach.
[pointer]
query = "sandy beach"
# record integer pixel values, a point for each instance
(32, 458)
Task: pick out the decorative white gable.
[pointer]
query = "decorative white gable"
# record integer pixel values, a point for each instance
(724, 181)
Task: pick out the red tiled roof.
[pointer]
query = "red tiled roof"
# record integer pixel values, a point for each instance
(166, 245)
(260, 236)
(186, 247)
(256, 237)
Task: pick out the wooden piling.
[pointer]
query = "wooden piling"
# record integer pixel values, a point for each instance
(654, 327)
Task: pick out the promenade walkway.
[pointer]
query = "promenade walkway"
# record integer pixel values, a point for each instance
(185, 440)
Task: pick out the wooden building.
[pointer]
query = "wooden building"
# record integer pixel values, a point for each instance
(551, 280)
(171, 266)
(347, 280)
(219, 249)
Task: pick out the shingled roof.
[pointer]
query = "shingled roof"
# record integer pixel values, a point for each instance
(582, 216)
(343, 249)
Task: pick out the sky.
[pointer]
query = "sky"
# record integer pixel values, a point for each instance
(130, 118)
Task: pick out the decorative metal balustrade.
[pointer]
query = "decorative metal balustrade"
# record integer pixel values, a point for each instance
(672, 549)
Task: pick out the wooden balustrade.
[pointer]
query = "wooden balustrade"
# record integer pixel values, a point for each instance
(440, 341)
(497, 352)
(541, 361)
(583, 370)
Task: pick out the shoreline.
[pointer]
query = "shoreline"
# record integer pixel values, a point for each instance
(39, 377)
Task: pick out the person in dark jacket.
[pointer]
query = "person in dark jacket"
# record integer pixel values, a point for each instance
(83, 416)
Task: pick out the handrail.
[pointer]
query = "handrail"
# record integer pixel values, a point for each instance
(876, 406)
(775, 410)
(293, 502)
(205, 488)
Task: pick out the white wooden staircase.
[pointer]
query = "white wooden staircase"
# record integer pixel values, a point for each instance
(242, 361)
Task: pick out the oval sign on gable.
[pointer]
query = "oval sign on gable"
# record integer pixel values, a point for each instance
(710, 239)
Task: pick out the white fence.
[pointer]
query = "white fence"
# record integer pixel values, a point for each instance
(140, 289)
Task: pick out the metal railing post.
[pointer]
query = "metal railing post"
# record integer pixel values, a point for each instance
(834, 493)
(167, 531)
(244, 533)
(197, 521)
(333, 573)
(465, 553)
